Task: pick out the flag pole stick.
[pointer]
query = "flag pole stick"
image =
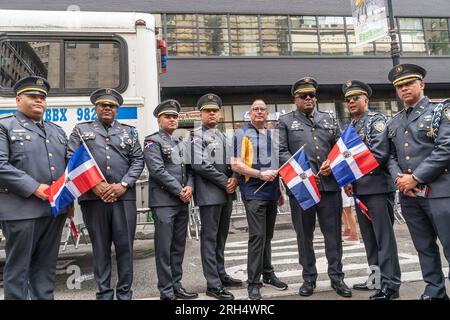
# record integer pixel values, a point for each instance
(280, 168)
(89, 151)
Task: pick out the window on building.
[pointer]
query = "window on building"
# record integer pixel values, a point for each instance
(274, 35)
(213, 35)
(244, 33)
(437, 34)
(332, 35)
(412, 36)
(181, 34)
(304, 37)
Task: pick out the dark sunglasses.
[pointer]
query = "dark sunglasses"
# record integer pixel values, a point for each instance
(354, 98)
(303, 96)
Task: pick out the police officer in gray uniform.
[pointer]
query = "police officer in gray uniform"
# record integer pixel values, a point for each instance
(109, 209)
(318, 131)
(420, 164)
(32, 156)
(170, 190)
(377, 191)
(215, 185)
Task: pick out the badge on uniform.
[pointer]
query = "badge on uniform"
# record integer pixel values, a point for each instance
(379, 126)
(296, 125)
(447, 113)
(148, 144)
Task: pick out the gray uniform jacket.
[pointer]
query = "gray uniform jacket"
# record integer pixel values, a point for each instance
(211, 164)
(319, 134)
(413, 149)
(117, 152)
(168, 171)
(28, 157)
(379, 180)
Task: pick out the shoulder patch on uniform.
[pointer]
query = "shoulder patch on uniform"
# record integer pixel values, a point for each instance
(372, 113)
(6, 115)
(447, 113)
(379, 125)
(148, 144)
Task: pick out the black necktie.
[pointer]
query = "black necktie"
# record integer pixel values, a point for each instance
(40, 125)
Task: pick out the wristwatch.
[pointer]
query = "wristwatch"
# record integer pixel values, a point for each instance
(124, 184)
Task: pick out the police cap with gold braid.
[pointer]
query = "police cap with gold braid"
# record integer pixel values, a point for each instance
(32, 85)
(404, 73)
(304, 85)
(169, 106)
(209, 101)
(355, 88)
(106, 96)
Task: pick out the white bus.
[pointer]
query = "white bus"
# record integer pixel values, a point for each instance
(79, 52)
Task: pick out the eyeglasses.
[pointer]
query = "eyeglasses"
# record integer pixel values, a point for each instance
(354, 98)
(259, 109)
(303, 96)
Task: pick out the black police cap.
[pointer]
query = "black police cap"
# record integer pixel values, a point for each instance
(355, 87)
(304, 85)
(209, 101)
(404, 73)
(32, 85)
(169, 106)
(106, 96)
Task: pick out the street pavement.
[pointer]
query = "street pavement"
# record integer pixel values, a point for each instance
(74, 279)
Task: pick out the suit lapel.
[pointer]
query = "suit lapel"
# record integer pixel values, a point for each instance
(27, 123)
(300, 116)
(98, 127)
(418, 110)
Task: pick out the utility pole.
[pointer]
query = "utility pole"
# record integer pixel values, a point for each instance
(395, 49)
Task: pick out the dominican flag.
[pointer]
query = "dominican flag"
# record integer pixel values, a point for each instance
(350, 159)
(81, 174)
(299, 178)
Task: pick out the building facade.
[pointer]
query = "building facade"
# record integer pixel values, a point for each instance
(243, 50)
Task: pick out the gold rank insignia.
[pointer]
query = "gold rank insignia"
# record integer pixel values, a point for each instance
(172, 103)
(27, 137)
(39, 82)
(210, 97)
(379, 126)
(108, 91)
(307, 80)
(349, 83)
(447, 113)
(399, 69)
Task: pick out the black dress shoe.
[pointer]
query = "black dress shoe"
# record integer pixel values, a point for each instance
(361, 286)
(168, 298)
(307, 288)
(385, 294)
(427, 297)
(341, 289)
(183, 294)
(219, 293)
(228, 281)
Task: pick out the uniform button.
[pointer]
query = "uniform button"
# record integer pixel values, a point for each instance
(406, 144)
(50, 154)
(107, 139)
(318, 157)
(108, 168)
(409, 170)
(406, 131)
(52, 168)
(317, 147)
(108, 157)
(371, 172)
(407, 157)
(446, 170)
(48, 141)
(6, 190)
(313, 129)
(107, 148)
(315, 138)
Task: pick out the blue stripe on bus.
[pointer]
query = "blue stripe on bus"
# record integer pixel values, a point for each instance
(125, 113)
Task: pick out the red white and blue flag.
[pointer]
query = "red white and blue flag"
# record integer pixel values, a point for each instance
(81, 175)
(299, 178)
(350, 159)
